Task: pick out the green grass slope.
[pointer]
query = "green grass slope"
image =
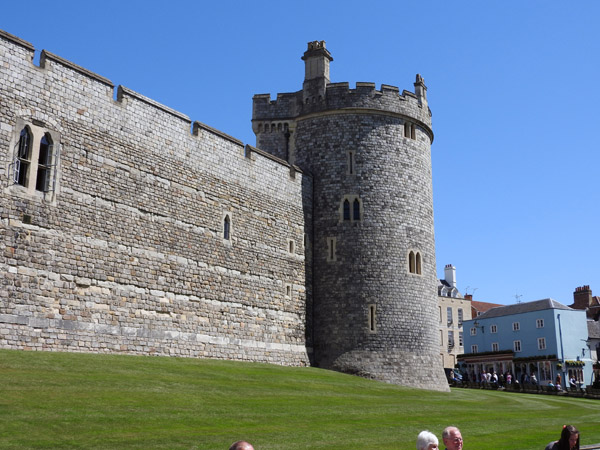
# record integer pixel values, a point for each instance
(83, 401)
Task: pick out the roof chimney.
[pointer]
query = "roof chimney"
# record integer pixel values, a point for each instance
(582, 297)
(316, 72)
(450, 275)
(316, 61)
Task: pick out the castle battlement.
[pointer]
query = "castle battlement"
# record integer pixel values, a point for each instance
(155, 114)
(279, 114)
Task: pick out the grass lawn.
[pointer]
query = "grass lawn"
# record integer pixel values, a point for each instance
(84, 401)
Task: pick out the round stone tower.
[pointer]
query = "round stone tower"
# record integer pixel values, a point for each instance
(374, 279)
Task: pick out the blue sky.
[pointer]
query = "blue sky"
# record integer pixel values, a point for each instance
(514, 87)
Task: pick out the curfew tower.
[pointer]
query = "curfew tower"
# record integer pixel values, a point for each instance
(370, 234)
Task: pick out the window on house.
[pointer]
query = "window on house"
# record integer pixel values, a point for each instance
(291, 246)
(460, 317)
(440, 308)
(541, 343)
(461, 341)
(493, 329)
(449, 315)
(495, 346)
(539, 323)
(372, 322)
(517, 346)
(516, 326)
(474, 348)
(413, 131)
(418, 263)
(450, 339)
(473, 331)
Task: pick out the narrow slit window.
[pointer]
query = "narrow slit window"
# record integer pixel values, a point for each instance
(331, 256)
(227, 228)
(418, 263)
(351, 163)
(356, 209)
(372, 312)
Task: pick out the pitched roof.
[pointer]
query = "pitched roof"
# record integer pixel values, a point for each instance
(593, 329)
(519, 308)
(483, 306)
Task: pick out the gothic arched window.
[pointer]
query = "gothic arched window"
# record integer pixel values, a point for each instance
(346, 210)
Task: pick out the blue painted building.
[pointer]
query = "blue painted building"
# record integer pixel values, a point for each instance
(544, 337)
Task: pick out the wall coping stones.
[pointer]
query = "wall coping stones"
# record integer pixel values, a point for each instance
(51, 56)
(11, 37)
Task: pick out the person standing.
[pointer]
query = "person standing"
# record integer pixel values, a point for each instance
(452, 438)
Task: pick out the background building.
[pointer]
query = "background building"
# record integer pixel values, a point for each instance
(453, 311)
(543, 337)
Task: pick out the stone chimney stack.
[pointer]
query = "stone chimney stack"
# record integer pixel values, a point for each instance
(582, 297)
(316, 61)
(316, 72)
(450, 275)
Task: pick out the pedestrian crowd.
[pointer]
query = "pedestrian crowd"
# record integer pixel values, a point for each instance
(453, 440)
(508, 378)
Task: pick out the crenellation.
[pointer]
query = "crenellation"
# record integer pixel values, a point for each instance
(47, 56)
(17, 40)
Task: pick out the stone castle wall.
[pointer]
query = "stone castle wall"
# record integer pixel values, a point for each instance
(127, 253)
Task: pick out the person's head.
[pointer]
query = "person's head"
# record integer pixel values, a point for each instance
(426, 440)
(241, 445)
(569, 438)
(452, 438)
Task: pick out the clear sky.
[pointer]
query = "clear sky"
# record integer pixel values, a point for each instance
(514, 87)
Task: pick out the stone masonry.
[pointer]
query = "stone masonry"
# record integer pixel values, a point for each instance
(125, 227)
(127, 253)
